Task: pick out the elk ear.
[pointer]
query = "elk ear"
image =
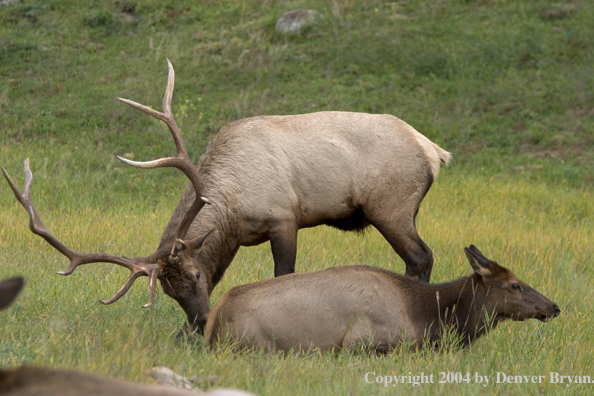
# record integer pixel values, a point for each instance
(197, 242)
(9, 289)
(481, 265)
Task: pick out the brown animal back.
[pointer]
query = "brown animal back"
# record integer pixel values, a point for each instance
(37, 381)
(254, 295)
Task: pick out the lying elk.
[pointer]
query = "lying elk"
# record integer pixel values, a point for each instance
(361, 306)
(40, 381)
(267, 177)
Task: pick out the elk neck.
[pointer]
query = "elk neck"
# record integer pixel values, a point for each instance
(218, 252)
(459, 305)
(220, 247)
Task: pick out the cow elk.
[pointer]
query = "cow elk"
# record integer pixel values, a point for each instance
(368, 307)
(41, 381)
(263, 178)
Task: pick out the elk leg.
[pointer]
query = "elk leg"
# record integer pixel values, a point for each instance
(401, 234)
(367, 335)
(283, 241)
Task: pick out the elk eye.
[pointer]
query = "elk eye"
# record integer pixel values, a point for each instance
(515, 286)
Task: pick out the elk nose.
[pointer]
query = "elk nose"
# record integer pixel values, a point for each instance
(557, 310)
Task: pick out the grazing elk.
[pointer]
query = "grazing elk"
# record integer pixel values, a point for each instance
(354, 306)
(267, 177)
(40, 381)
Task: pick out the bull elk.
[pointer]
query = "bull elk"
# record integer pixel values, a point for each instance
(41, 381)
(369, 307)
(267, 177)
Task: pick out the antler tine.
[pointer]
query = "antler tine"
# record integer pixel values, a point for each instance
(167, 115)
(153, 274)
(37, 227)
(182, 162)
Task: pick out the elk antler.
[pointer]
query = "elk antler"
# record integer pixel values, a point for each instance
(182, 162)
(137, 268)
(37, 227)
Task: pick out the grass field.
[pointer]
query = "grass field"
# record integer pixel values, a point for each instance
(508, 87)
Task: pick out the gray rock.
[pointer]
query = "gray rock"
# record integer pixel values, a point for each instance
(168, 377)
(297, 21)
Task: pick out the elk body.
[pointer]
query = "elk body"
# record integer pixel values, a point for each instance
(40, 381)
(361, 306)
(263, 179)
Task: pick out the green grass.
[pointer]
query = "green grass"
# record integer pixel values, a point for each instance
(543, 233)
(507, 86)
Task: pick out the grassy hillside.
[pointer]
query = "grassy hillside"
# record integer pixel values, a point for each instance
(507, 86)
(504, 85)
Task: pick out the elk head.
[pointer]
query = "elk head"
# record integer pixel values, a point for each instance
(175, 266)
(508, 296)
